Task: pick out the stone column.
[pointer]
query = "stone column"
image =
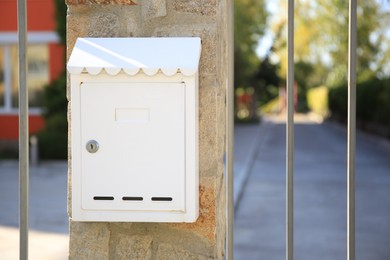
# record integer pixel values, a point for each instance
(164, 18)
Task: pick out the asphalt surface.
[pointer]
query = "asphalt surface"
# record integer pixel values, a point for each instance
(320, 196)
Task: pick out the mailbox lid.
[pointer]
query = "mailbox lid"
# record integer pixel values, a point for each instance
(132, 55)
(140, 162)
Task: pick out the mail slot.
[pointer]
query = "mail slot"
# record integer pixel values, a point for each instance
(134, 129)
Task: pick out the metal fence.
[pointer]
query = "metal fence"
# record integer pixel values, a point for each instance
(23, 132)
(351, 142)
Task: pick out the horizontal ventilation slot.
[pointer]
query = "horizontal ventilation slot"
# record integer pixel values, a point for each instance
(103, 198)
(161, 198)
(133, 198)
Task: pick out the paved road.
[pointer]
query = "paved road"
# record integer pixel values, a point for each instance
(320, 196)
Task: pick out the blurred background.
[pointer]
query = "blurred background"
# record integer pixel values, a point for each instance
(321, 45)
(321, 49)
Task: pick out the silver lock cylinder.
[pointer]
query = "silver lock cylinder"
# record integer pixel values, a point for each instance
(92, 146)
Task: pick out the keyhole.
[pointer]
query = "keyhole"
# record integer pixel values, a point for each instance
(92, 146)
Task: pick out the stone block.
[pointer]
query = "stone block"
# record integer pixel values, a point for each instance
(75, 2)
(205, 225)
(204, 7)
(102, 2)
(221, 123)
(104, 25)
(89, 241)
(169, 252)
(208, 61)
(207, 131)
(221, 215)
(137, 247)
(153, 8)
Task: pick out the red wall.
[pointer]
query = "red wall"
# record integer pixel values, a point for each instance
(9, 129)
(40, 15)
(57, 60)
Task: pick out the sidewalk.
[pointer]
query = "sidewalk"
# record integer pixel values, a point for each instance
(247, 138)
(48, 236)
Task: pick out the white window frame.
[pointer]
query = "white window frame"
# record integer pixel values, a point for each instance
(11, 38)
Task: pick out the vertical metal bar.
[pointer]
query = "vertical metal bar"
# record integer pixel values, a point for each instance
(230, 133)
(23, 131)
(290, 134)
(7, 79)
(351, 154)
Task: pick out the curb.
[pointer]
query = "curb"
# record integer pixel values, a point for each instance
(242, 178)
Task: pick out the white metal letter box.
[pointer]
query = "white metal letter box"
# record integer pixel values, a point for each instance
(134, 119)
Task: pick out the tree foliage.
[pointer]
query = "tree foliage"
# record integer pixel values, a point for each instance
(250, 23)
(371, 22)
(61, 19)
(267, 81)
(321, 39)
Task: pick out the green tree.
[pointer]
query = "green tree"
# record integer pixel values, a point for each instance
(267, 81)
(371, 25)
(250, 23)
(61, 19)
(321, 38)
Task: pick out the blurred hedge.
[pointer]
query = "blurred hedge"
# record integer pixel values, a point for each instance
(317, 100)
(53, 140)
(372, 101)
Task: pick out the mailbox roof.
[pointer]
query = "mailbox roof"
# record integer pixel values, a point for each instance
(151, 55)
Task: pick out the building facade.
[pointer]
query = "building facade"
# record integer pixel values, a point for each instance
(45, 63)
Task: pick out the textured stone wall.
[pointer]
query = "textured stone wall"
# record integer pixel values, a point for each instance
(163, 18)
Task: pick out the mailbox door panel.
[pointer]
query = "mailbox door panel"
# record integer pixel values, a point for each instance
(136, 160)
